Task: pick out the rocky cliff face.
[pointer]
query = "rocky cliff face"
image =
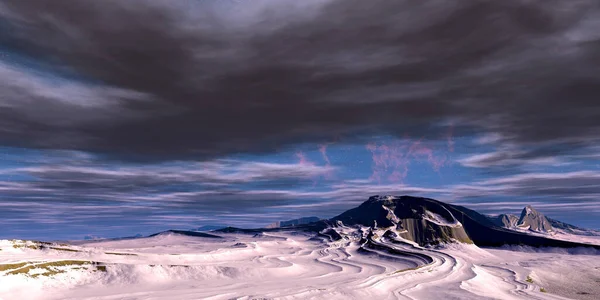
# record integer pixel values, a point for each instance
(533, 220)
(506, 220)
(530, 219)
(421, 220)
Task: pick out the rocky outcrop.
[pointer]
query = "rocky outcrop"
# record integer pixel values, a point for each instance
(530, 219)
(416, 219)
(505, 220)
(533, 220)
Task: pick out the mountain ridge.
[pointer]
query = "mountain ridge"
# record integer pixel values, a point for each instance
(415, 219)
(542, 224)
(479, 228)
(424, 221)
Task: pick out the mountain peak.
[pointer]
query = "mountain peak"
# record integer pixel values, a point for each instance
(529, 210)
(422, 220)
(391, 198)
(533, 220)
(378, 198)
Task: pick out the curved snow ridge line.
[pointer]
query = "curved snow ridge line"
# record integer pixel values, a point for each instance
(456, 273)
(508, 276)
(430, 260)
(284, 266)
(378, 271)
(402, 252)
(439, 220)
(501, 282)
(400, 258)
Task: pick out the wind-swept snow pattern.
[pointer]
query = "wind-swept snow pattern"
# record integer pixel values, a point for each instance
(363, 263)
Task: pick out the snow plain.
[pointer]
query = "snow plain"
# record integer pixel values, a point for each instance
(291, 265)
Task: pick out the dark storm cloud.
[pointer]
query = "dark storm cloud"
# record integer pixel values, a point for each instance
(203, 79)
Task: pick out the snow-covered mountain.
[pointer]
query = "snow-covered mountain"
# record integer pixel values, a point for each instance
(534, 221)
(416, 219)
(429, 222)
(571, 229)
(505, 220)
(530, 219)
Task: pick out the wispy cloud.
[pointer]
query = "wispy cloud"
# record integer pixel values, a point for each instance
(572, 185)
(507, 159)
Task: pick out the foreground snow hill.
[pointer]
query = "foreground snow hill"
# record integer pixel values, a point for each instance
(387, 248)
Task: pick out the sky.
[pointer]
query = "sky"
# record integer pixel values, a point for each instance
(120, 118)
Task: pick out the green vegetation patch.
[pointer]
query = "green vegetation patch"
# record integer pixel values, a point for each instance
(101, 268)
(7, 267)
(543, 290)
(64, 263)
(64, 249)
(38, 245)
(48, 273)
(34, 247)
(529, 279)
(50, 268)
